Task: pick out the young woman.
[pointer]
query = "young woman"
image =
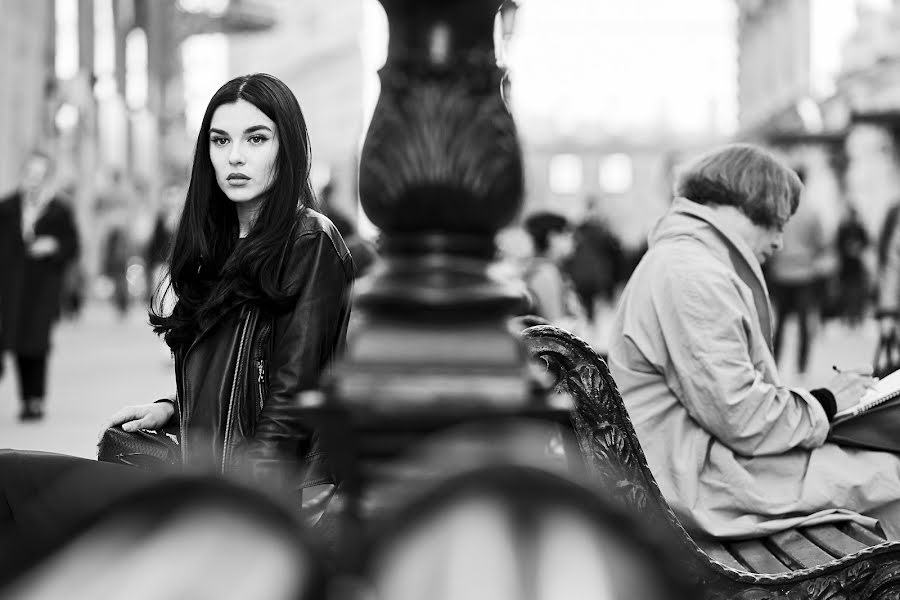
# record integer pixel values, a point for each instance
(262, 286)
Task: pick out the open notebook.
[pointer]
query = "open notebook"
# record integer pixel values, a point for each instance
(887, 388)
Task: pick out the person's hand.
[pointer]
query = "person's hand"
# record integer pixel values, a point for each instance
(849, 385)
(43, 245)
(142, 416)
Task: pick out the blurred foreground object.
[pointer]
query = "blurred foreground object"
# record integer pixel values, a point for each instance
(512, 532)
(199, 538)
(440, 174)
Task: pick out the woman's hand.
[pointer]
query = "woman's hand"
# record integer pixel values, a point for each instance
(849, 385)
(142, 416)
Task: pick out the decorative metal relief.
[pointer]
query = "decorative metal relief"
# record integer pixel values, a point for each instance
(441, 153)
(438, 156)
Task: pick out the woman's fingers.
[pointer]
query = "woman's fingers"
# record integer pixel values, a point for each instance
(124, 416)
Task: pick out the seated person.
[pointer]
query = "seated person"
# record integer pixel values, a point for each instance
(550, 290)
(735, 451)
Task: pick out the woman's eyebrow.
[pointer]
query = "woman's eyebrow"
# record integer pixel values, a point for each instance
(257, 128)
(250, 129)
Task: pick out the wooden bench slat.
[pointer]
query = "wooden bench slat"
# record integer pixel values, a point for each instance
(857, 531)
(717, 551)
(792, 547)
(833, 540)
(756, 556)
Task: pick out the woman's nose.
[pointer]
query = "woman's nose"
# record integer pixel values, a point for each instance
(236, 156)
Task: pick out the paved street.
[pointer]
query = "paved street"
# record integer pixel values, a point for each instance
(101, 363)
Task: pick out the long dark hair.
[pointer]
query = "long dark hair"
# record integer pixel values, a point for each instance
(205, 274)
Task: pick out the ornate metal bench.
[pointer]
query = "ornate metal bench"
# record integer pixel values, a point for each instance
(823, 562)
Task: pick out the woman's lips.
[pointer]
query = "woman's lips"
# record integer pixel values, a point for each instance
(237, 181)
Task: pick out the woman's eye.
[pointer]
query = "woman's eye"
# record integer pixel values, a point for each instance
(256, 139)
(219, 141)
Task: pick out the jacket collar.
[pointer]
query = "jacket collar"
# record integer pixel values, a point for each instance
(687, 218)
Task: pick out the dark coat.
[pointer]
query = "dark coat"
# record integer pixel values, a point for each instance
(238, 382)
(30, 288)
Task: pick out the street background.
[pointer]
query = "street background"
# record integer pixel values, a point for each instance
(101, 363)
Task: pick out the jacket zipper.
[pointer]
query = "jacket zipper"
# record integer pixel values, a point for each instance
(182, 438)
(261, 369)
(261, 382)
(238, 373)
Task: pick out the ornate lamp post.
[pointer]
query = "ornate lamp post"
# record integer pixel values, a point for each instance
(440, 174)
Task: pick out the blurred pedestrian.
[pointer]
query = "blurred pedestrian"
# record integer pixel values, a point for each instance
(38, 240)
(362, 250)
(794, 277)
(116, 254)
(853, 277)
(888, 302)
(160, 242)
(550, 289)
(262, 288)
(891, 219)
(597, 264)
(74, 281)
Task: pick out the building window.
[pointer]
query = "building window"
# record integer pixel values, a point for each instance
(565, 174)
(615, 173)
(136, 66)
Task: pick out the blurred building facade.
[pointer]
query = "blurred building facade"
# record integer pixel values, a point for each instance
(844, 135)
(26, 73)
(625, 181)
(777, 97)
(869, 97)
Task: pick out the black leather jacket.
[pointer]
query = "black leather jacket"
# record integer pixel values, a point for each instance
(252, 365)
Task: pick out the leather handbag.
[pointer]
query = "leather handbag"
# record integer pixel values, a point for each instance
(146, 449)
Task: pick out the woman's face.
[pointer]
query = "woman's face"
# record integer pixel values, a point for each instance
(243, 146)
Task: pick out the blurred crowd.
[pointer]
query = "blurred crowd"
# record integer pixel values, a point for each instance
(574, 272)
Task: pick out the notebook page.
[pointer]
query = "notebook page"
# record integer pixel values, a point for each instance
(887, 385)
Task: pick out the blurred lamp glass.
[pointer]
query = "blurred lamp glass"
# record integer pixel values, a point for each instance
(136, 66)
(615, 173)
(565, 173)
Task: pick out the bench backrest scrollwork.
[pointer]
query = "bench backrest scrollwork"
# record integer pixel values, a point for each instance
(603, 429)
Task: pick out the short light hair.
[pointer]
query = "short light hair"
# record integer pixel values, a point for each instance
(744, 176)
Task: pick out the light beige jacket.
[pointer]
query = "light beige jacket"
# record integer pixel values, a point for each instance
(735, 452)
